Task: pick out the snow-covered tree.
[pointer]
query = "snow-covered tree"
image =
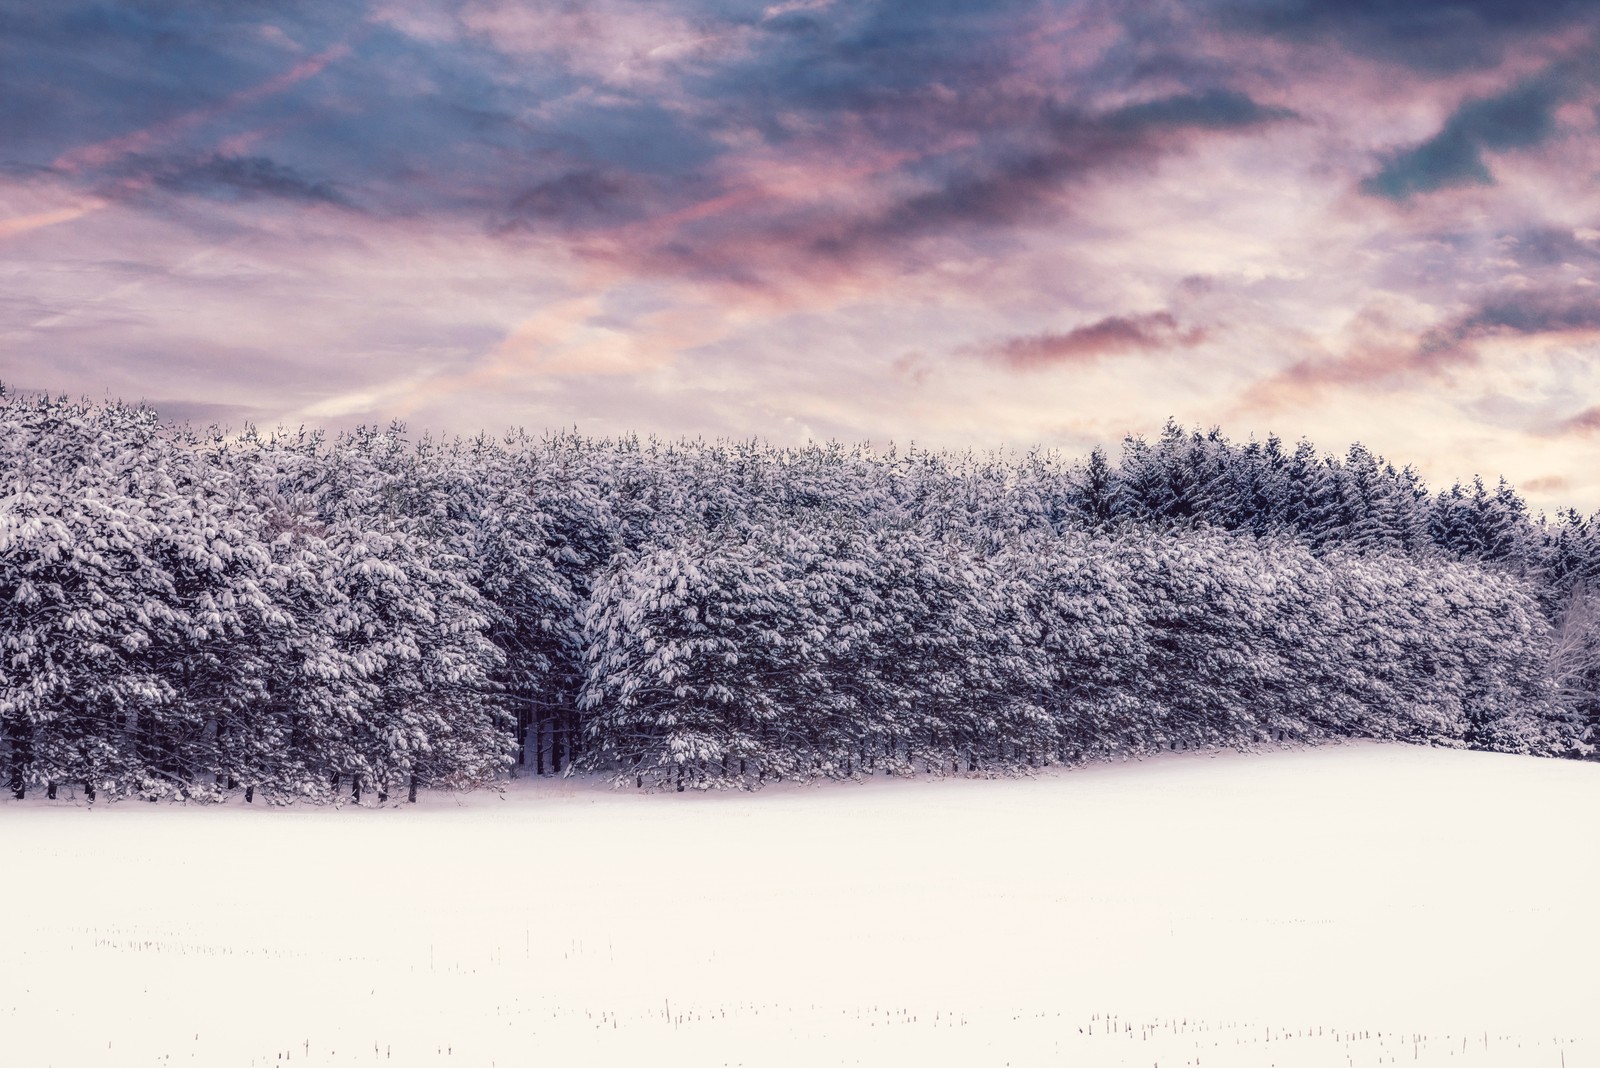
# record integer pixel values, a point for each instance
(314, 617)
(701, 662)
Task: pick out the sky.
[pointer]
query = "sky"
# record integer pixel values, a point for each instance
(963, 223)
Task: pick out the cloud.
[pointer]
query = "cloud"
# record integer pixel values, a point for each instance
(1071, 146)
(618, 43)
(21, 224)
(1361, 369)
(822, 210)
(1517, 314)
(666, 139)
(1435, 36)
(1546, 484)
(101, 153)
(1216, 109)
(1390, 361)
(236, 177)
(1521, 117)
(898, 67)
(1552, 246)
(578, 199)
(828, 212)
(1112, 335)
(1584, 424)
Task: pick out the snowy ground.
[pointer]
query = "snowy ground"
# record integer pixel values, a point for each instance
(1352, 905)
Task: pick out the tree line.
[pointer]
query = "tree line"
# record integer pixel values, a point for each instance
(296, 615)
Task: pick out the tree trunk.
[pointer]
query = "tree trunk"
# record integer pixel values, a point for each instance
(555, 747)
(50, 791)
(219, 746)
(522, 736)
(172, 762)
(538, 747)
(144, 745)
(412, 794)
(249, 794)
(355, 788)
(17, 736)
(88, 792)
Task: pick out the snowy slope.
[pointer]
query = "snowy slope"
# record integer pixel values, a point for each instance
(1350, 905)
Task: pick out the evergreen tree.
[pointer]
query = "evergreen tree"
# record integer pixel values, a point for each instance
(1098, 497)
(307, 617)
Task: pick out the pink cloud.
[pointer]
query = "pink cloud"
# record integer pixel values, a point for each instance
(1584, 424)
(1113, 335)
(21, 224)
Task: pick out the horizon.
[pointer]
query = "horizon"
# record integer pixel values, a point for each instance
(873, 448)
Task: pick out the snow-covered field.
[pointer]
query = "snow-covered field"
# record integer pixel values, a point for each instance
(1352, 905)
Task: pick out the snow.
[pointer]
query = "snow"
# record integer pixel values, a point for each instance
(1345, 905)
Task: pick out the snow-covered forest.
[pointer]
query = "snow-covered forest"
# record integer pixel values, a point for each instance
(300, 616)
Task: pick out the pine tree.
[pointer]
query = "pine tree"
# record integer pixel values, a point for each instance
(313, 617)
(1098, 499)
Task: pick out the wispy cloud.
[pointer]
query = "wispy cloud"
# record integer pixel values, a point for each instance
(145, 139)
(21, 224)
